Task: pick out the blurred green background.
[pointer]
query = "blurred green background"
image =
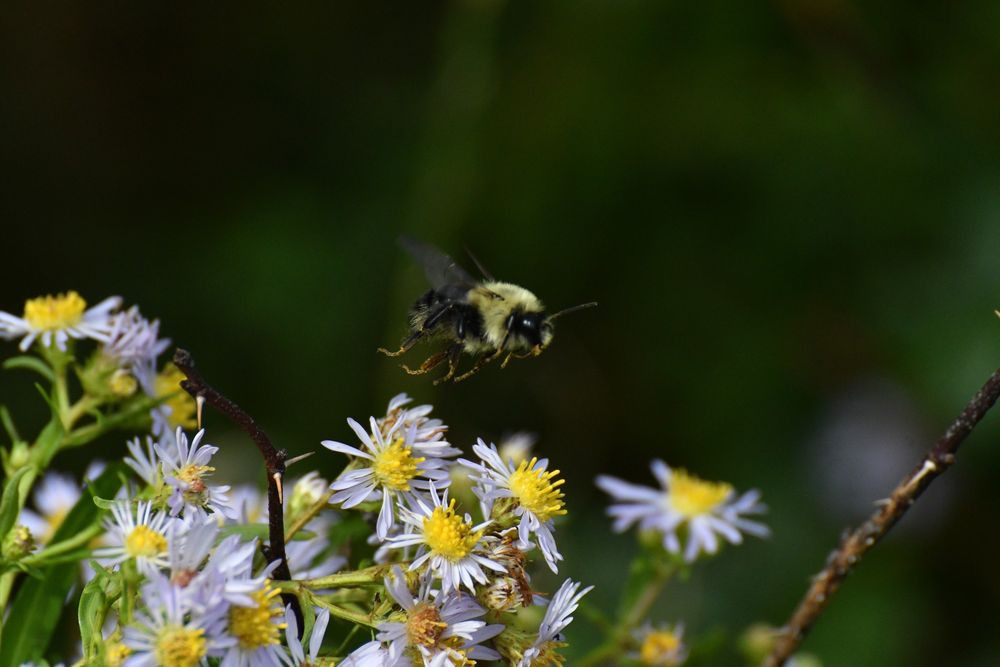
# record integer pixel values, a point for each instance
(788, 212)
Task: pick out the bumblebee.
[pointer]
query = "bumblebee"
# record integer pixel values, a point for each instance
(484, 318)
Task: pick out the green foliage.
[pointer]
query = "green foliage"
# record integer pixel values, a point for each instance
(40, 601)
(30, 363)
(9, 506)
(90, 614)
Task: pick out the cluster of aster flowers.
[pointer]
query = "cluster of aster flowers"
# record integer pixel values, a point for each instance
(204, 588)
(458, 582)
(414, 554)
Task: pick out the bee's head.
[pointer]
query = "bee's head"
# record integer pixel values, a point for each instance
(530, 328)
(532, 331)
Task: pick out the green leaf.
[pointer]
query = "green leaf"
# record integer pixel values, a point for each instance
(50, 399)
(9, 505)
(40, 603)
(103, 503)
(308, 619)
(8, 425)
(91, 612)
(32, 364)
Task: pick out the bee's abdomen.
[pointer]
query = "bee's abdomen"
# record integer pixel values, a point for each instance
(440, 312)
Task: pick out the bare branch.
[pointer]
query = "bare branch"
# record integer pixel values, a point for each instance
(274, 459)
(855, 545)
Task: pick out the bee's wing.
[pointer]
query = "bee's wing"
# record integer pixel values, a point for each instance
(441, 269)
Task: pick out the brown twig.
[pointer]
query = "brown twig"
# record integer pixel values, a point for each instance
(274, 459)
(855, 545)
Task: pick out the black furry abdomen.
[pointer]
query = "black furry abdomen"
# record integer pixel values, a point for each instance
(446, 313)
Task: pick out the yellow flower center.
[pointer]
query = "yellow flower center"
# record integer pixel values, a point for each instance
(192, 474)
(180, 647)
(182, 406)
(144, 541)
(549, 655)
(254, 626)
(536, 490)
(694, 497)
(395, 466)
(50, 313)
(424, 626)
(116, 653)
(448, 534)
(659, 648)
(122, 383)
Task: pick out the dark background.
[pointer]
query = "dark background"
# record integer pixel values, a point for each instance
(788, 212)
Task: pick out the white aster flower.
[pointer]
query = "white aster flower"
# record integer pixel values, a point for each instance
(306, 492)
(299, 657)
(440, 629)
(228, 575)
(257, 629)
(528, 490)
(705, 509)
(659, 647)
(137, 533)
(399, 463)
(427, 429)
(57, 319)
(250, 504)
(172, 633)
(185, 469)
(373, 654)
(190, 547)
(516, 447)
(558, 615)
(54, 497)
(447, 542)
(144, 460)
(135, 343)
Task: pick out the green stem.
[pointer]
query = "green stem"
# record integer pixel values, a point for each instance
(78, 540)
(130, 583)
(355, 617)
(79, 409)
(6, 583)
(367, 577)
(645, 601)
(82, 436)
(620, 636)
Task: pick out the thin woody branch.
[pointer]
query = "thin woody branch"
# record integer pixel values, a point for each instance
(855, 545)
(274, 459)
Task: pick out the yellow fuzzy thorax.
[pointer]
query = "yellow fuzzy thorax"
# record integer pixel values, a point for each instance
(495, 311)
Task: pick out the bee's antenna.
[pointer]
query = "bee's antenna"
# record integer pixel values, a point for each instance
(573, 309)
(479, 265)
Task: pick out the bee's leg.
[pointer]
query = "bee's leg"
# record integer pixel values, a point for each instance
(424, 330)
(535, 351)
(454, 353)
(429, 364)
(407, 343)
(480, 363)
